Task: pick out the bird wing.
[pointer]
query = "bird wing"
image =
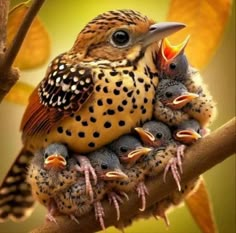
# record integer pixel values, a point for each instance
(64, 90)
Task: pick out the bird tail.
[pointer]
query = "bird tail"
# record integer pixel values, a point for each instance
(16, 201)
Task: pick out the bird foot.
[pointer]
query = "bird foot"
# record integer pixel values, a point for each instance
(116, 199)
(180, 156)
(99, 214)
(173, 164)
(52, 211)
(72, 217)
(142, 192)
(51, 218)
(163, 216)
(86, 168)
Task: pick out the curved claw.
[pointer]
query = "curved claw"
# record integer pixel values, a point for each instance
(142, 192)
(86, 168)
(172, 165)
(116, 199)
(99, 214)
(180, 156)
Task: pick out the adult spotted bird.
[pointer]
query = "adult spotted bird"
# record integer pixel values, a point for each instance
(100, 89)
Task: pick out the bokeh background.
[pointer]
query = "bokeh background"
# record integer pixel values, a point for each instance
(64, 19)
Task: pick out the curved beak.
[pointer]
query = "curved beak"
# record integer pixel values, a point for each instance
(170, 51)
(159, 31)
(187, 136)
(134, 155)
(146, 137)
(55, 161)
(182, 100)
(115, 175)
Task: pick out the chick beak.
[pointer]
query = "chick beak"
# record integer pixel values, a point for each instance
(159, 31)
(146, 137)
(134, 155)
(187, 136)
(115, 175)
(182, 100)
(55, 161)
(170, 51)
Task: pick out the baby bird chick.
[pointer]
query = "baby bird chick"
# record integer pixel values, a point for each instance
(51, 171)
(171, 97)
(173, 64)
(166, 152)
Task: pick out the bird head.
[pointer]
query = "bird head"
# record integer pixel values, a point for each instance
(174, 94)
(172, 62)
(107, 164)
(55, 157)
(154, 134)
(129, 149)
(120, 35)
(188, 132)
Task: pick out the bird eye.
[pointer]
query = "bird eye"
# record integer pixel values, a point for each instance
(123, 149)
(159, 135)
(104, 166)
(46, 155)
(169, 94)
(172, 66)
(120, 38)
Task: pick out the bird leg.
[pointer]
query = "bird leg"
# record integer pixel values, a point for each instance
(160, 212)
(180, 156)
(116, 199)
(99, 214)
(142, 192)
(86, 168)
(172, 165)
(52, 210)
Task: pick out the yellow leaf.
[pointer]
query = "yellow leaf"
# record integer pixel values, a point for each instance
(19, 94)
(36, 46)
(205, 20)
(199, 205)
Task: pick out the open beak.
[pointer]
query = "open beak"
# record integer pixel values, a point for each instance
(182, 100)
(134, 155)
(146, 137)
(159, 31)
(170, 51)
(115, 175)
(187, 136)
(55, 161)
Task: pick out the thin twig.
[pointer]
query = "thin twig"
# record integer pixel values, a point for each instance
(4, 7)
(21, 33)
(8, 74)
(200, 157)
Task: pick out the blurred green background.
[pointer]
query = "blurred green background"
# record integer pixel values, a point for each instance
(64, 19)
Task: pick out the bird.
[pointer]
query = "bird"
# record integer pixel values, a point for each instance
(167, 154)
(171, 97)
(74, 202)
(173, 64)
(188, 132)
(52, 170)
(105, 82)
(129, 149)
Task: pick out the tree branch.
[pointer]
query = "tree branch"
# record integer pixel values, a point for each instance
(200, 157)
(9, 75)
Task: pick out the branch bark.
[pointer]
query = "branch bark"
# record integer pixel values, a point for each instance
(200, 157)
(8, 74)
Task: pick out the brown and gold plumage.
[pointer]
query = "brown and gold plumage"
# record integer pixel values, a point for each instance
(100, 89)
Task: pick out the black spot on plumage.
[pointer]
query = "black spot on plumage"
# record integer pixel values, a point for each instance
(130, 93)
(91, 144)
(121, 123)
(84, 123)
(116, 92)
(81, 134)
(96, 134)
(105, 89)
(113, 73)
(141, 80)
(125, 71)
(101, 75)
(98, 88)
(107, 124)
(60, 129)
(93, 119)
(68, 132)
(91, 109)
(109, 101)
(124, 102)
(119, 83)
(99, 102)
(120, 108)
(110, 112)
(125, 89)
(78, 118)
